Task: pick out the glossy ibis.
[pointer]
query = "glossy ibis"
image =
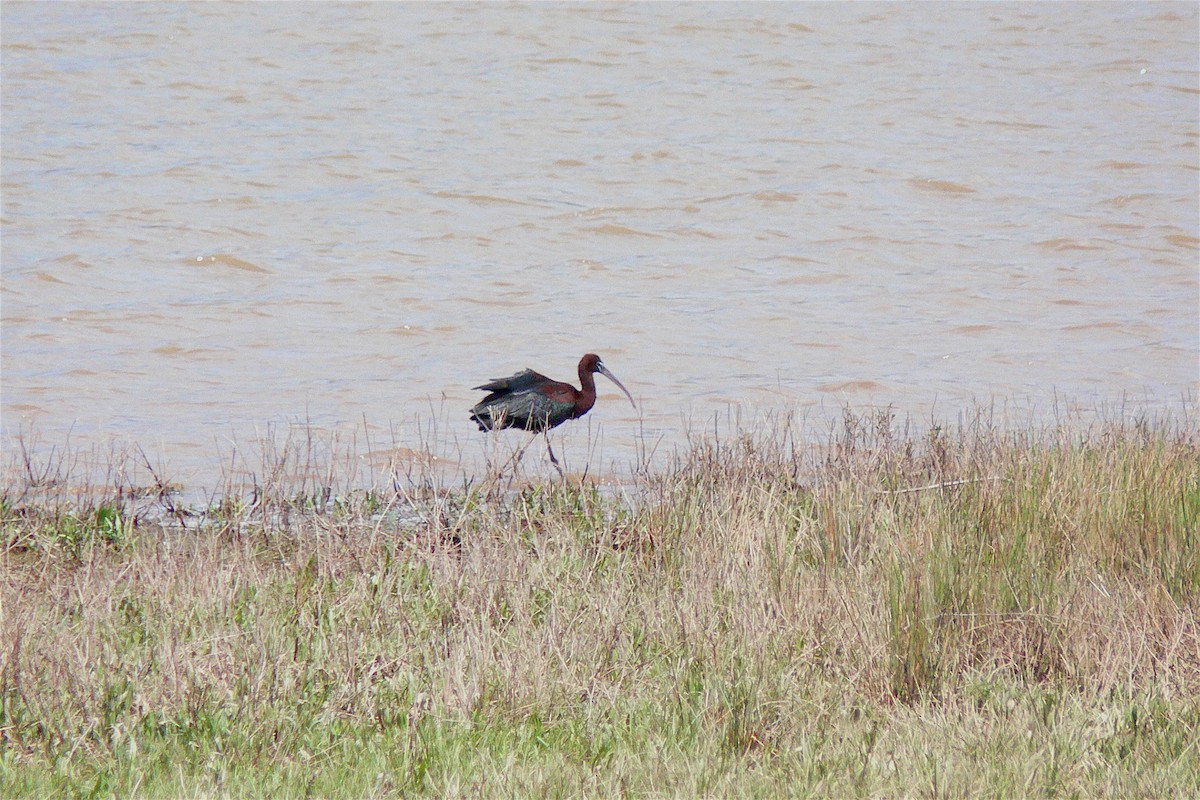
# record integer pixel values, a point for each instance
(533, 402)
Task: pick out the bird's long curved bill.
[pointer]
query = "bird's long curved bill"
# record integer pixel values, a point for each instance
(604, 371)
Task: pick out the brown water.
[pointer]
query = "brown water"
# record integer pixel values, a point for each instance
(219, 218)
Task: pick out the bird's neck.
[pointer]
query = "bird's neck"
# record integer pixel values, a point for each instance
(587, 397)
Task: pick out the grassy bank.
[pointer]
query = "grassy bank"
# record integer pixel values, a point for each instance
(963, 613)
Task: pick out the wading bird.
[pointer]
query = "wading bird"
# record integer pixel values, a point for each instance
(532, 402)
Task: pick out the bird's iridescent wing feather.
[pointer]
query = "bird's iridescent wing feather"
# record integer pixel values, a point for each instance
(516, 382)
(525, 400)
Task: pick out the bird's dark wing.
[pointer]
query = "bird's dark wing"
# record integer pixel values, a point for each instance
(521, 381)
(526, 400)
(530, 410)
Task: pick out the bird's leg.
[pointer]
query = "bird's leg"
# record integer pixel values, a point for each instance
(550, 450)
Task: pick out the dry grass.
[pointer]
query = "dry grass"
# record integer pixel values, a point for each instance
(965, 612)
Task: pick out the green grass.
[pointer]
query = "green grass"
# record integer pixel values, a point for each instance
(967, 613)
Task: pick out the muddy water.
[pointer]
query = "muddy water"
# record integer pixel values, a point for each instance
(222, 218)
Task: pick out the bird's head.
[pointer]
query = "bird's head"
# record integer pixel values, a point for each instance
(592, 363)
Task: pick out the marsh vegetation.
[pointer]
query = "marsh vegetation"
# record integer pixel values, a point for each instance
(958, 612)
